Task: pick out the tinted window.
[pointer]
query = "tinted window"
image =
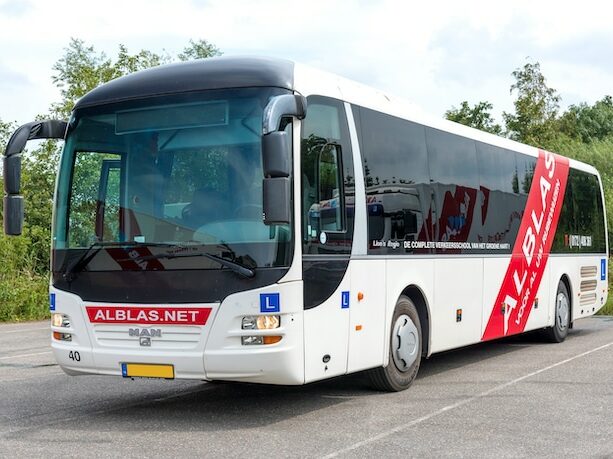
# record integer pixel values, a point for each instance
(497, 168)
(455, 182)
(581, 225)
(525, 165)
(327, 178)
(500, 205)
(395, 164)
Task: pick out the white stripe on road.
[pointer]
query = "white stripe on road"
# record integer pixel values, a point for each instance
(24, 330)
(24, 355)
(427, 417)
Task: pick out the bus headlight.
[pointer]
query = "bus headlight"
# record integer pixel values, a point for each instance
(261, 322)
(60, 320)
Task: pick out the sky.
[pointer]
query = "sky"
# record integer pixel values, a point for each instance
(433, 54)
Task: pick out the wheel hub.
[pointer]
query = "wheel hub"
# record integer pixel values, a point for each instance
(405, 343)
(562, 312)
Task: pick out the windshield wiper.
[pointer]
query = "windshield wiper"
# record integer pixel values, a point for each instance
(80, 263)
(238, 268)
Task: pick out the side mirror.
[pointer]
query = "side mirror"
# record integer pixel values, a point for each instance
(13, 201)
(277, 157)
(276, 208)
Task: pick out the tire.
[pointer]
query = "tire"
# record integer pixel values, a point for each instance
(559, 331)
(405, 354)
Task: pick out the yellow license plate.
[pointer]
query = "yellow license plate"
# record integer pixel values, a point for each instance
(147, 370)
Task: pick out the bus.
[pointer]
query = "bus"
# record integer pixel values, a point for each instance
(258, 220)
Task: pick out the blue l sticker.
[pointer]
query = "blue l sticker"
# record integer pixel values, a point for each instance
(344, 300)
(52, 302)
(270, 302)
(603, 269)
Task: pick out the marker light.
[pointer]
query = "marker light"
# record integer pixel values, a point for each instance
(60, 320)
(260, 322)
(62, 336)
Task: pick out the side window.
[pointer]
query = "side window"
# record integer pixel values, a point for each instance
(327, 178)
(94, 200)
(525, 165)
(581, 225)
(108, 205)
(397, 181)
(455, 181)
(500, 206)
(329, 191)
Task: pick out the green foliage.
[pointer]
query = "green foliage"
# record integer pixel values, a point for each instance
(6, 129)
(478, 116)
(589, 122)
(607, 310)
(200, 49)
(23, 291)
(536, 108)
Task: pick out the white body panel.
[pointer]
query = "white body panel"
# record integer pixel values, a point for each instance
(211, 351)
(326, 333)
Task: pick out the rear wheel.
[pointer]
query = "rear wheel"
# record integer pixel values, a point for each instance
(559, 331)
(405, 350)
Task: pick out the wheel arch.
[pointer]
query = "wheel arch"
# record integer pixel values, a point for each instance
(417, 296)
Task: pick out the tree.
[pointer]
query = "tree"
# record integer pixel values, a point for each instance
(536, 107)
(6, 129)
(200, 49)
(589, 122)
(478, 116)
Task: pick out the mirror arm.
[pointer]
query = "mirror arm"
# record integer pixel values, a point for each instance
(281, 107)
(48, 129)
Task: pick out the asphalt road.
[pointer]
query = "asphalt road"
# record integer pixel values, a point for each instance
(512, 398)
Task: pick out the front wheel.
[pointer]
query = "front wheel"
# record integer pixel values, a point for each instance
(405, 350)
(559, 331)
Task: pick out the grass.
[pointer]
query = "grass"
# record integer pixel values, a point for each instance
(23, 296)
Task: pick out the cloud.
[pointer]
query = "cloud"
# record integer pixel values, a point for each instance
(15, 7)
(434, 54)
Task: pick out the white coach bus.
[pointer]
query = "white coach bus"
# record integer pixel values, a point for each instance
(256, 220)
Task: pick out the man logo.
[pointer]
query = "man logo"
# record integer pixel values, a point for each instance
(146, 332)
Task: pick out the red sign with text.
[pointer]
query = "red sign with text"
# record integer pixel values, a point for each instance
(147, 316)
(531, 251)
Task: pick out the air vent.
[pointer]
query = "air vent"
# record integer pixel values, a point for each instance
(588, 299)
(589, 271)
(588, 286)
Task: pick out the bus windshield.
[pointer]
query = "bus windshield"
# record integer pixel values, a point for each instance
(151, 184)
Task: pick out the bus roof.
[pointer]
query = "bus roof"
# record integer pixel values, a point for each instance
(198, 75)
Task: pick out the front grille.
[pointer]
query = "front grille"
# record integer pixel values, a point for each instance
(173, 337)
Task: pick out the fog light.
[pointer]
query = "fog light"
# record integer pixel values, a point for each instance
(62, 336)
(248, 340)
(60, 320)
(260, 322)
